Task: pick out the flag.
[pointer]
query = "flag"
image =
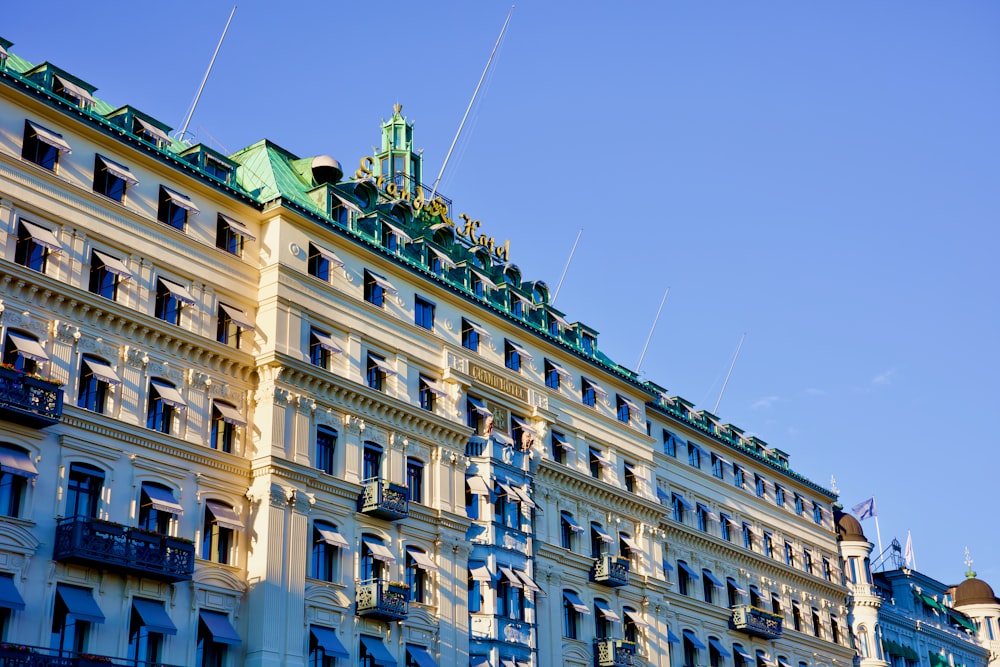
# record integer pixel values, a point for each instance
(864, 509)
(908, 552)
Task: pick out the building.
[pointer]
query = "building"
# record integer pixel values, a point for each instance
(255, 412)
(904, 618)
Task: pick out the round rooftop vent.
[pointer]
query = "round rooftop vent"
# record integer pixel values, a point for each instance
(326, 170)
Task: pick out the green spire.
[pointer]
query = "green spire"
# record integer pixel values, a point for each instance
(397, 155)
(969, 572)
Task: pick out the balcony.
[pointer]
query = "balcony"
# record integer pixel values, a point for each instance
(383, 499)
(382, 600)
(29, 401)
(613, 653)
(112, 546)
(18, 655)
(610, 570)
(756, 622)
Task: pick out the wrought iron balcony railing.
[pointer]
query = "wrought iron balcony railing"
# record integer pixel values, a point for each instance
(19, 655)
(610, 570)
(112, 546)
(383, 499)
(382, 600)
(29, 401)
(756, 622)
(613, 653)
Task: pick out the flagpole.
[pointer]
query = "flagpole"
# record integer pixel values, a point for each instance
(878, 533)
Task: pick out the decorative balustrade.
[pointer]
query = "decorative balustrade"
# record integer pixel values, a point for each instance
(383, 499)
(382, 600)
(756, 622)
(29, 401)
(613, 653)
(19, 655)
(610, 570)
(112, 546)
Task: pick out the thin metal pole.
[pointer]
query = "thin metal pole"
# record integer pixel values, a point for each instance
(878, 532)
(194, 105)
(735, 356)
(651, 330)
(566, 268)
(471, 102)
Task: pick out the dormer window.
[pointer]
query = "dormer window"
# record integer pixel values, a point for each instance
(588, 343)
(217, 168)
(72, 92)
(149, 132)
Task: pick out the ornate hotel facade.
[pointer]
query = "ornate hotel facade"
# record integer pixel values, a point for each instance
(253, 411)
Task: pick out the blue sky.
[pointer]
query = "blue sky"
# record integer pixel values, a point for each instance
(820, 176)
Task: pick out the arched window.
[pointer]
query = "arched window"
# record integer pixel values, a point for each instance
(568, 528)
(717, 653)
(415, 479)
(418, 574)
(16, 468)
(375, 559)
(163, 404)
(599, 540)
(864, 642)
(573, 607)
(371, 462)
(733, 592)
(157, 508)
(219, 531)
(225, 419)
(327, 543)
(691, 647)
(83, 490)
(96, 379)
(604, 619)
(23, 352)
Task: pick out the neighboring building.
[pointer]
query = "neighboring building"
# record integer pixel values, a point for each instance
(903, 618)
(308, 419)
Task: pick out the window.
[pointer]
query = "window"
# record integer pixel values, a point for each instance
(779, 495)
(717, 462)
(326, 445)
(756, 600)
(225, 419)
(83, 490)
(74, 610)
(703, 516)
(817, 513)
(623, 409)
(762, 659)
(427, 392)
(375, 288)
(157, 508)
(233, 323)
(17, 469)
(776, 607)
(604, 620)
(321, 348)
(600, 541)
(174, 208)
(470, 335)
(553, 378)
(373, 559)
(96, 379)
(326, 545)
(376, 371)
(148, 623)
(625, 546)
(597, 461)
(219, 532)
(476, 585)
(799, 507)
(106, 274)
(734, 593)
(418, 568)
(694, 455)
(669, 443)
(560, 447)
(572, 609)
(42, 146)
(215, 635)
(415, 479)
(588, 343)
(740, 656)
(827, 571)
(797, 618)
(716, 652)
(588, 395)
(789, 554)
(759, 485)
(633, 621)
(508, 506)
(817, 624)
(170, 298)
(768, 547)
(691, 647)
(708, 587)
(747, 537)
(807, 561)
(629, 476)
(476, 285)
(324, 647)
(568, 528)
(34, 244)
(371, 462)
(112, 179)
(685, 576)
(510, 595)
(835, 630)
(679, 505)
(724, 521)
(512, 356)
(423, 313)
(477, 416)
(390, 240)
(738, 477)
(230, 235)
(163, 403)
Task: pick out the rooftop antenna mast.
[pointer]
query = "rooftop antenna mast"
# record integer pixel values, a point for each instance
(731, 366)
(656, 319)
(566, 268)
(471, 102)
(194, 105)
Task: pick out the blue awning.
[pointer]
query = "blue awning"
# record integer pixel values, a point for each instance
(479, 661)
(419, 655)
(691, 637)
(327, 640)
(574, 600)
(711, 577)
(377, 650)
(154, 616)
(742, 652)
(80, 603)
(162, 499)
(671, 637)
(10, 598)
(687, 568)
(717, 645)
(684, 502)
(662, 495)
(220, 628)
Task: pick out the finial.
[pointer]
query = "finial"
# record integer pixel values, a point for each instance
(969, 573)
(397, 107)
(833, 484)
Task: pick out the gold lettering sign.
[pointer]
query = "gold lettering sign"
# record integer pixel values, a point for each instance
(498, 382)
(435, 208)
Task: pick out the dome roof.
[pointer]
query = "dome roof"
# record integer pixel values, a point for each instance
(973, 591)
(848, 528)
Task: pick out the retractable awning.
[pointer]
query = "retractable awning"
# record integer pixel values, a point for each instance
(168, 394)
(632, 405)
(561, 440)
(220, 627)
(181, 200)
(688, 569)
(736, 587)
(509, 575)
(238, 228)
(560, 319)
(17, 462)
(607, 612)
(672, 638)
(560, 371)
(398, 231)
(433, 386)
(522, 493)
(479, 571)
(179, 292)
(152, 129)
(10, 598)
(632, 544)
(224, 515)
(326, 342)
(485, 280)
(42, 236)
(118, 170)
(154, 617)
(380, 552)
(743, 653)
(717, 645)
(478, 329)
(479, 406)
(662, 494)
(422, 560)
(326, 639)
(238, 316)
(598, 389)
(332, 537)
(683, 501)
(384, 283)
(524, 426)
(600, 532)
(636, 618)
(602, 458)
(230, 415)
(377, 650)
(529, 583)
(50, 138)
(76, 91)
(161, 499)
(420, 656)
(445, 260)
(478, 486)
(712, 578)
(28, 348)
(80, 603)
(574, 600)
(571, 522)
(520, 350)
(695, 642)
